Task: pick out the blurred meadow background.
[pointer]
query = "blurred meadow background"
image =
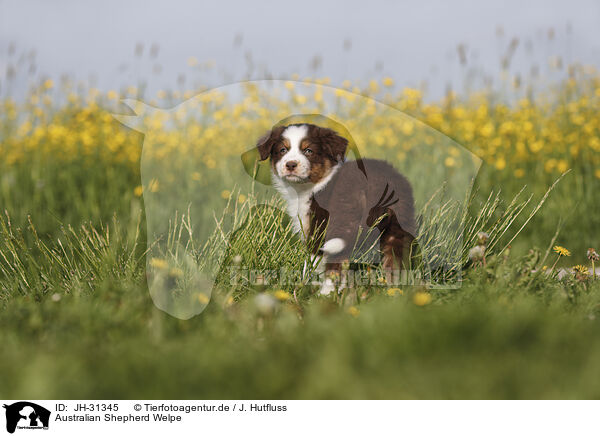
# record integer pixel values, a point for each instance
(76, 319)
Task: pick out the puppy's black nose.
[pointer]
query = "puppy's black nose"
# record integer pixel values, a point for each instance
(291, 165)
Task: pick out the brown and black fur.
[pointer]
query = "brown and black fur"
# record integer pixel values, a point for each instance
(329, 148)
(361, 194)
(353, 199)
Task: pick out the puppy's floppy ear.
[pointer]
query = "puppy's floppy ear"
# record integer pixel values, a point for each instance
(332, 143)
(264, 146)
(265, 143)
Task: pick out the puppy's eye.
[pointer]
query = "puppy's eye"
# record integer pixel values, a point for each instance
(308, 151)
(283, 150)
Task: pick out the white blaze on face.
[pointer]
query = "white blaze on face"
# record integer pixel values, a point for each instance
(294, 135)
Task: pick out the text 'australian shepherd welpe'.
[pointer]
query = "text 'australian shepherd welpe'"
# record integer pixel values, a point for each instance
(335, 203)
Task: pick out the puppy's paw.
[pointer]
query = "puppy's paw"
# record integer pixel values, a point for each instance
(327, 287)
(333, 246)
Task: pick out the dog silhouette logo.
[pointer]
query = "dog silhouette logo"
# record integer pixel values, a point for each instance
(26, 415)
(202, 177)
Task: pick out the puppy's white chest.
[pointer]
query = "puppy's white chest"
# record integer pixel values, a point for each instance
(298, 209)
(298, 199)
(297, 204)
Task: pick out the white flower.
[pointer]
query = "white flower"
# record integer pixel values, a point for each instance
(265, 303)
(476, 253)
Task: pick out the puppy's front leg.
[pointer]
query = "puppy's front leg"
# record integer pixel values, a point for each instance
(334, 255)
(315, 265)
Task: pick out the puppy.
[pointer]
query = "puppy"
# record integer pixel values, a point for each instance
(339, 207)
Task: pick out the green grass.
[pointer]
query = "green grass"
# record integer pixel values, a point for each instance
(498, 337)
(77, 322)
(77, 319)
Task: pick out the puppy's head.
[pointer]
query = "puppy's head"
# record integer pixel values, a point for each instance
(302, 153)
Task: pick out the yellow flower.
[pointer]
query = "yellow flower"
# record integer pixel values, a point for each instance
(229, 301)
(393, 291)
(210, 162)
(241, 198)
(407, 127)
(196, 176)
(192, 61)
(353, 310)
(175, 272)
(487, 130)
(549, 165)
(158, 263)
(536, 146)
(562, 251)
(519, 173)
(281, 295)
(373, 86)
(203, 299)
(562, 165)
(449, 162)
(138, 191)
(581, 269)
(422, 298)
(225, 194)
(388, 81)
(48, 84)
(300, 99)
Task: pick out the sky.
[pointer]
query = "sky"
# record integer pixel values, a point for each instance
(213, 43)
